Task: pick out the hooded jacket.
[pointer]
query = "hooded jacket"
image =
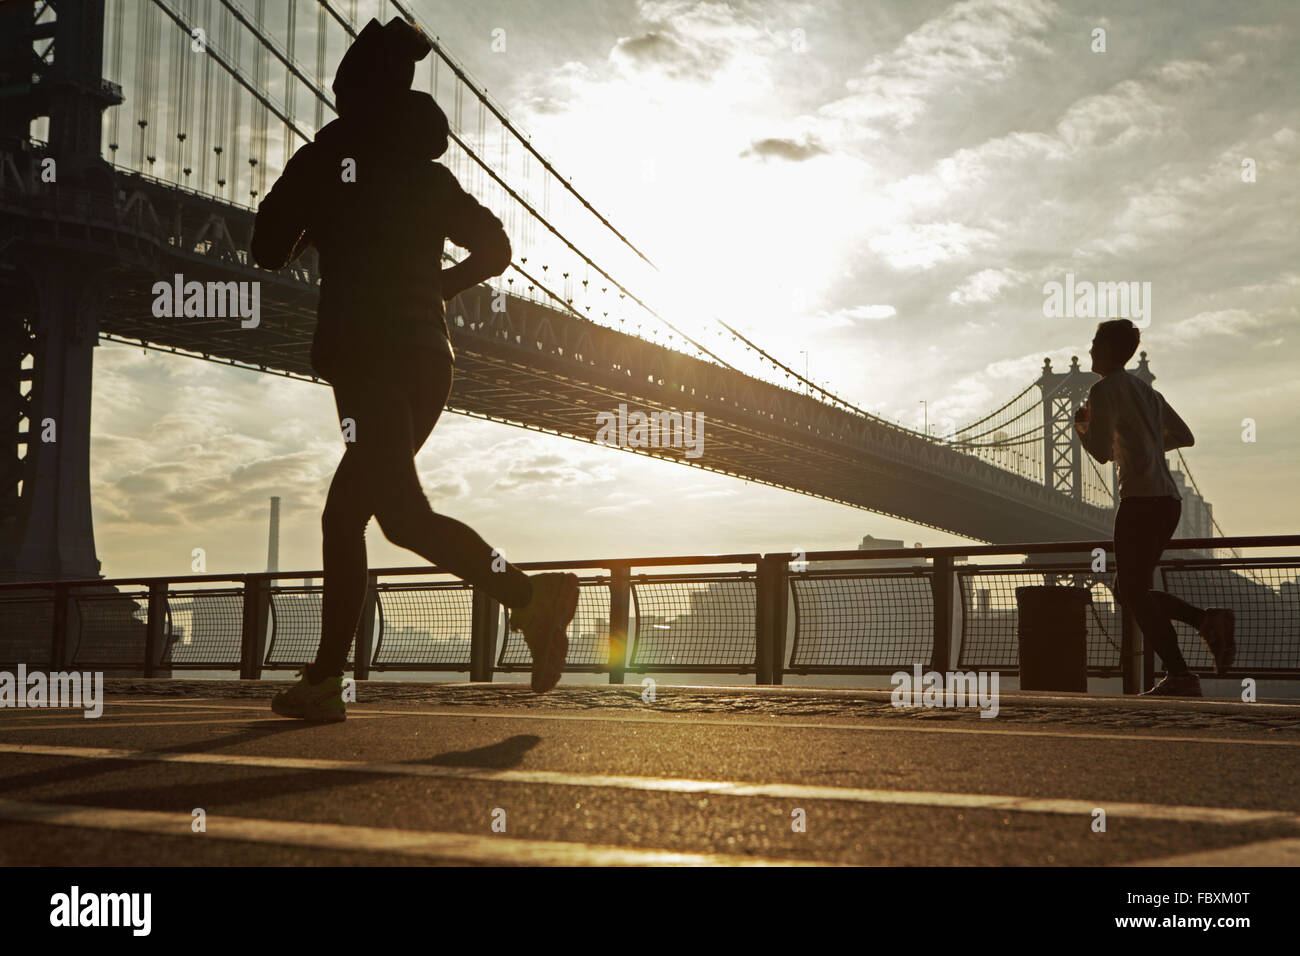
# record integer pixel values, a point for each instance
(368, 195)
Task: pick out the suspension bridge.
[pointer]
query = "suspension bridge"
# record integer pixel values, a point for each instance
(136, 137)
(135, 141)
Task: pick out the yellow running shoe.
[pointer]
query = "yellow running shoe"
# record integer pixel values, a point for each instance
(321, 701)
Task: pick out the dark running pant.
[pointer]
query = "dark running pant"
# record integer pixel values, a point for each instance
(394, 404)
(1143, 526)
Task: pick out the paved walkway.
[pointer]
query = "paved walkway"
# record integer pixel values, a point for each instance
(456, 773)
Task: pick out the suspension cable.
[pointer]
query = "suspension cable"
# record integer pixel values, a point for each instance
(537, 215)
(527, 144)
(225, 65)
(996, 412)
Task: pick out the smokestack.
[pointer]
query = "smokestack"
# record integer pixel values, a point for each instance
(273, 545)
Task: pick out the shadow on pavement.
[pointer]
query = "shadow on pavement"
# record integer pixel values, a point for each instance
(499, 756)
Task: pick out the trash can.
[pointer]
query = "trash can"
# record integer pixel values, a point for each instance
(1053, 636)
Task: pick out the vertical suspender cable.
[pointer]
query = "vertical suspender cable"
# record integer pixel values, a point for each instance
(169, 120)
(185, 117)
(153, 57)
(482, 145)
(206, 106)
(141, 79)
(232, 149)
(290, 83)
(321, 24)
(220, 129)
(115, 74)
(257, 153)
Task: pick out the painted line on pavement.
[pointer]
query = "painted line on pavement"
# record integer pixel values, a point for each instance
(333, 836)
(614, 716)
(200, 720)
(1169, 813)
(1284, 852)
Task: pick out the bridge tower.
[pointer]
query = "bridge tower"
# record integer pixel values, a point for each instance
(49, 68)
(1062, 394)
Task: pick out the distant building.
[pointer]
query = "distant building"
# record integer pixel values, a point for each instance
(869, 543)
(1197, 519)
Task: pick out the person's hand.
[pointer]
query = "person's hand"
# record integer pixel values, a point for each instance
(1082, 416)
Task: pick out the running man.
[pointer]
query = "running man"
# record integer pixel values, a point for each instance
(369, 196)
(1127, 420)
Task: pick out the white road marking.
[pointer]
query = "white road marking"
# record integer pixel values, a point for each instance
(199, 720)
(37, 713)
(1285, 852)
(625, 717)
(1170, 813)
(457, 847)
(166, 700)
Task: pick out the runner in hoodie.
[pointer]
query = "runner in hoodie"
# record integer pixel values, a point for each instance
(369, 196)
(1128, 421)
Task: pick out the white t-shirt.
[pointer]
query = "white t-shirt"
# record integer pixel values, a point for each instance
(1133, 425)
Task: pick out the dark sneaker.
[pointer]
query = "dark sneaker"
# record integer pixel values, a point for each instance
(1217, 633)
(322, 701)
(545, 624)
(1188, 685)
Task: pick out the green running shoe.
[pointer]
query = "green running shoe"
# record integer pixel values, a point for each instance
(545, 624)
(321, 701)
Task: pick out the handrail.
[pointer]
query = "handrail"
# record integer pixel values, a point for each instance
(1055, 547)
(947, 551)
(589, 563)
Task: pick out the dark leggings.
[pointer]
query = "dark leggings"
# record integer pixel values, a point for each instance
(1143, 526)
(393, 404)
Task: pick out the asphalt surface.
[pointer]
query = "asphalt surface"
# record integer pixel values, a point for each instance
(492, 774)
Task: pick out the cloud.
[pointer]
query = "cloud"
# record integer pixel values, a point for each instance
(1121, 116)
(661, 51)
(690, 41)
(972, 44)
(925, 245)
(984, 286)
(561, 92)
(791, 150)
(868, 313)
(545, 471)
(1221, 322)
(1025, 368)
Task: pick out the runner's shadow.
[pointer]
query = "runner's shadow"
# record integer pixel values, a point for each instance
(81, 770)
(499, 756)
(244, 790)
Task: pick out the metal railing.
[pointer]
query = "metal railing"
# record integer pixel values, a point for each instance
(765, 614)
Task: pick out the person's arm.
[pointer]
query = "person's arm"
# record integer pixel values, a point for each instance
(473, 227)
(1176, 433)
(279, 229)
(1098, 435)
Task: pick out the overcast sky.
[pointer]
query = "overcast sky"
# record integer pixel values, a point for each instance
(887, 185)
